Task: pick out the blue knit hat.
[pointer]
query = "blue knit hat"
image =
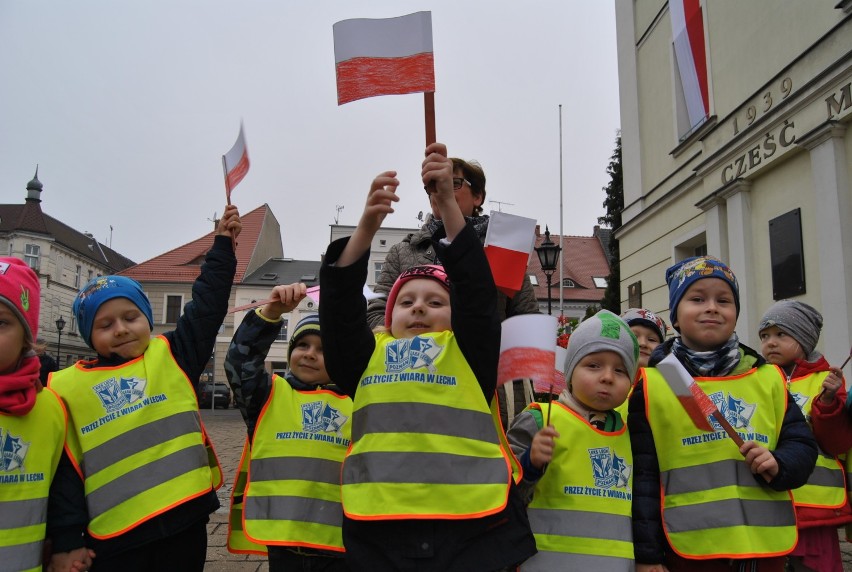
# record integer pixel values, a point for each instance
(101, 289)
(308, 325)
(683, 274)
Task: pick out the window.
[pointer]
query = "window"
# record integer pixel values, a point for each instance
(72, 327)
(173, 305)
(32, 256)
(599, 282)
(533, 279)
(568, 283)
(787, 254)
(377, 267)
(285, 328)
(78, 274)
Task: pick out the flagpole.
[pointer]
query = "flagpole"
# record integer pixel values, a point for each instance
(429, 108)
(561, 231)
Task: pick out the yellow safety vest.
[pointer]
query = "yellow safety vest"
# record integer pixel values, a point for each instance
(581, 509)
(424, 444)
(238, 542)
(30, 447)
(292, 496)
(713, 507)
(826, 487)
(517, 470)
(136, 438)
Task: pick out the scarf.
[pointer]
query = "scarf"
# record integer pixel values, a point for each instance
(600, 420)
(480, 225)
(18, 389)
(715, 363)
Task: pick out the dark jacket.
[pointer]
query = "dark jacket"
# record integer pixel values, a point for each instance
(796, 454)
(488, 543)
(191, 345)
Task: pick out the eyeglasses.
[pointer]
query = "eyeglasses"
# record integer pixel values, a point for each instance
(457, 183)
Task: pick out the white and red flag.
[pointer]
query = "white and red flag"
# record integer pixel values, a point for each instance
(688, 36)
(528, 350)
(235, 163)
(508, 243)
(388, 56)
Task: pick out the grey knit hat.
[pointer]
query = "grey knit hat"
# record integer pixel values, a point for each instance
(603, 332)
(797, 319)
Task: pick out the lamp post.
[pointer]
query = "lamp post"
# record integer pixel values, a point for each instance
(60, 325)
(548, 256)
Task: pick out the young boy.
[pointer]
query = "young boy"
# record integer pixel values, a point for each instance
(426, 484)
(584, 466)
(789, 332)
(135, 484)
(649, 329)
(299, 430)
(722, 508)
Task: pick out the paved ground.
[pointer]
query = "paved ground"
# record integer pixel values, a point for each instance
(228, 431)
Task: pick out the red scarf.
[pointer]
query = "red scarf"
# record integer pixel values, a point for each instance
(18, 389)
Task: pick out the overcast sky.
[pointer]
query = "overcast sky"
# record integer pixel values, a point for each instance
(127, 108)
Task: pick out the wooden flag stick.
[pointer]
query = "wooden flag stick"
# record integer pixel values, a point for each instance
(228, 199)
(250, 305)
(429, 108)
(729, 429)
(549, 405)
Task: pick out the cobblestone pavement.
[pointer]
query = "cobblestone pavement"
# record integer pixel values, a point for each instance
(228, 432)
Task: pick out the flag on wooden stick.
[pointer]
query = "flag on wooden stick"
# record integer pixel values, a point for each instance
(527, 350)
(388, 56)
(235, 163)
(508, 243)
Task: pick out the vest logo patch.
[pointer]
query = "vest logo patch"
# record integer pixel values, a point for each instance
(14, 450)
(321, 417)
(801, 400)
(415, 353)
(737, 411)
(611, 476)
(116, 394)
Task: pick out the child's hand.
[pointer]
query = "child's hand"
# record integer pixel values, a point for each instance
(284, 298)
(541, 451)
(77, 560)
(760, 460)
(830, 385)
(230, 224)
(437, 172)
(379, 200)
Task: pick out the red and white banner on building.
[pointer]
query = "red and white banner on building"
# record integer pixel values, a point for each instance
(236, 163)
(688, 36)
(387, 56)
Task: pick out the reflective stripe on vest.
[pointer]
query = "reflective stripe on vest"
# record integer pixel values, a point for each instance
(826, 487)
(712, 505)
(581, 509)
(421, 423)
(30, 447)
(136, 438)
(238, 542)
(292, 495)
(517, 471)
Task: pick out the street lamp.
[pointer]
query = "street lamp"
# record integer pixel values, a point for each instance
(60, 325)
(548, 256)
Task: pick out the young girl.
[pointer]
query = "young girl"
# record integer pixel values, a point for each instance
(723, 508)
(581, 464)
(300, 427)
(789, 332)
(649, 329)
(32, 424)
(425, 484)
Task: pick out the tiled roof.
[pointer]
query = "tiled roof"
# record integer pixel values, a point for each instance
(583, 259)
(284, 271)
(183, 264)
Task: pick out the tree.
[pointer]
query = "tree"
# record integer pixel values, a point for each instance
(614, 204)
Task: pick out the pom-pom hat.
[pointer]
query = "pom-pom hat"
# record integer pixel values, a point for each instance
(101, 289)
(20, 290)
(431, 271)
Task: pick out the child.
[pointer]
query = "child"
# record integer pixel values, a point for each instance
(136, 479)
(426, 484)
(299, 429)
(584, 467)
(649, 329)
(789, 331)
(721, 508)
(32, 424)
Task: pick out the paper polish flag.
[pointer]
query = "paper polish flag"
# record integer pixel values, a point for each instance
(236, 163)
(696, 403)
(508, 243)
(528, 349)
(387, 56)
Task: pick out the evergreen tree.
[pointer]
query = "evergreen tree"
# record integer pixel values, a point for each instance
(614, 204)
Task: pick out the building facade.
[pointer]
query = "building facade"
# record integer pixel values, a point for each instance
(735, 127)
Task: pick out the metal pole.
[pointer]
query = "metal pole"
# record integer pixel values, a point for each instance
(549, 281)
(59, 351)
(561, 229)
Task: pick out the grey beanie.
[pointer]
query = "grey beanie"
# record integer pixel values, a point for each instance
(603, 332)
(797, 319)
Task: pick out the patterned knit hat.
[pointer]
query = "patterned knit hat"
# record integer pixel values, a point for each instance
(647, 318)
(308, 325)
(101, 289)
(797, 319)
(683, 274)
(20, 290)
(603, 332)
(432, 271)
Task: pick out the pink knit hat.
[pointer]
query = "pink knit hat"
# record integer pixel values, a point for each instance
(432, 271)
(20, 290)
